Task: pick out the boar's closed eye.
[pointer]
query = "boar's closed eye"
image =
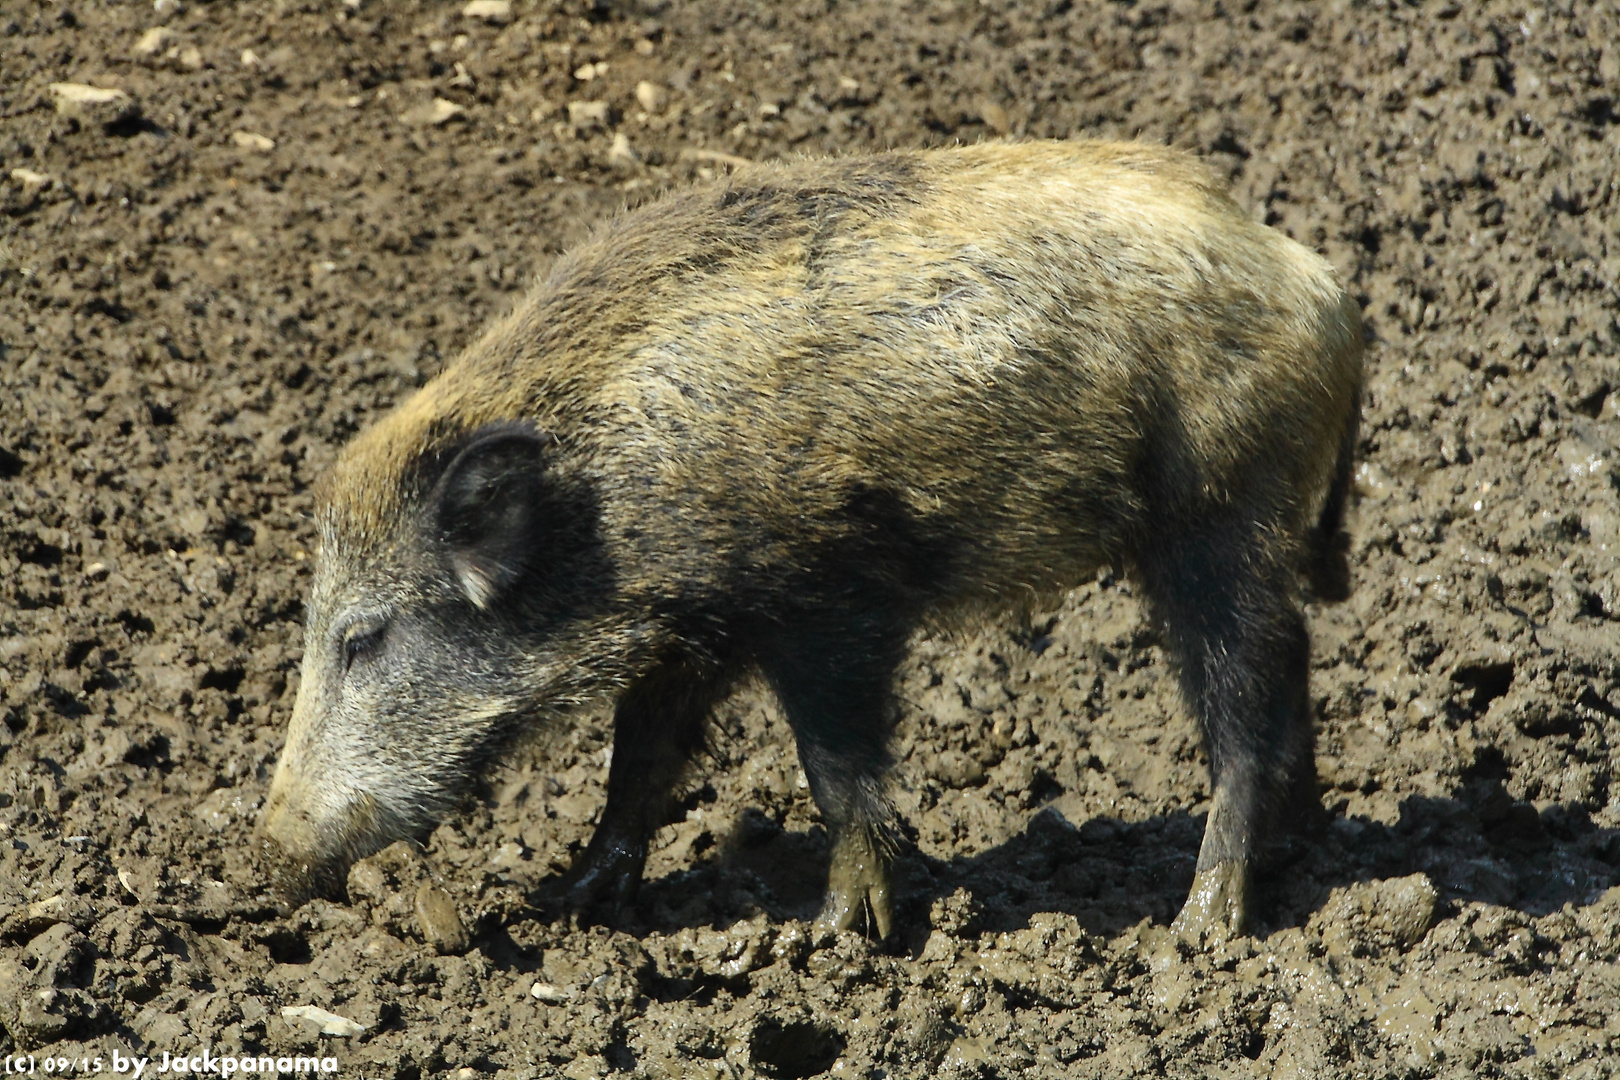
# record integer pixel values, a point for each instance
(362, 643)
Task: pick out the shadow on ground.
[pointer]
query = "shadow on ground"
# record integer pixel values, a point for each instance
(1110, 874)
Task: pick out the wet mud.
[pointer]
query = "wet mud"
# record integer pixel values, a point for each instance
(292, 214)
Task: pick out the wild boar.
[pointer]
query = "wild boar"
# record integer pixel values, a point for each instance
(776, 423)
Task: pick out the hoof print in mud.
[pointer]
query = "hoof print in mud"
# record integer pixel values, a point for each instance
(793, 1050)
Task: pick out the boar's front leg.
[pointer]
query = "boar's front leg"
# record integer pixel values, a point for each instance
(1226, 596)
(835, 687)
(657, 728)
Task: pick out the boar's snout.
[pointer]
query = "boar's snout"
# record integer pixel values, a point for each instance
(295, 881)
(310, 842)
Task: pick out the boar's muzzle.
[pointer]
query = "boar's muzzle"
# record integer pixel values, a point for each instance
(311, 833)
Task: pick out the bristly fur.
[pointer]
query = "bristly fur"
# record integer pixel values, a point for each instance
(774, 423)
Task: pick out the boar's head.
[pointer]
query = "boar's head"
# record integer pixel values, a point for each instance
(461, 594)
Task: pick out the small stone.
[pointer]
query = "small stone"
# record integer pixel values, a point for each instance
(250, 59)
(588, 114)
(644, 47)
(93, 102)
(252, 140)
(1371, 482)
(167, 9)
(436, 113)
(651, 97)
(549, 993)
(191, 58)
(153, 42)
(498, 12)
(620, 154)
(47, 909)
(30, 178)
(329, 1023)
(444, 111)
(994, 117)
(439, 921)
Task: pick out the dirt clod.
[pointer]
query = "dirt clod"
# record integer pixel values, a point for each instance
(1406, 908)
(438, 920)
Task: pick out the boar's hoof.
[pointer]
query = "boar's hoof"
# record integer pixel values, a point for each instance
(1218, 905)
(858, 887)
(607, 875)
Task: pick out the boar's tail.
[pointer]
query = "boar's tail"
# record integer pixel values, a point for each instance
(1328, 568)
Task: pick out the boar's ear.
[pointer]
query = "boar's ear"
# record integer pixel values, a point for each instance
(487, 508)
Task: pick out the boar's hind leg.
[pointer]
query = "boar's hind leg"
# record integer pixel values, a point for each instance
(1227, 602)
(837, 700)
(657, 728)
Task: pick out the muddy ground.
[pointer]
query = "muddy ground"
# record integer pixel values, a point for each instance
(301, 210)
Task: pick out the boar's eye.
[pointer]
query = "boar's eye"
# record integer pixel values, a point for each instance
(362, 640)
